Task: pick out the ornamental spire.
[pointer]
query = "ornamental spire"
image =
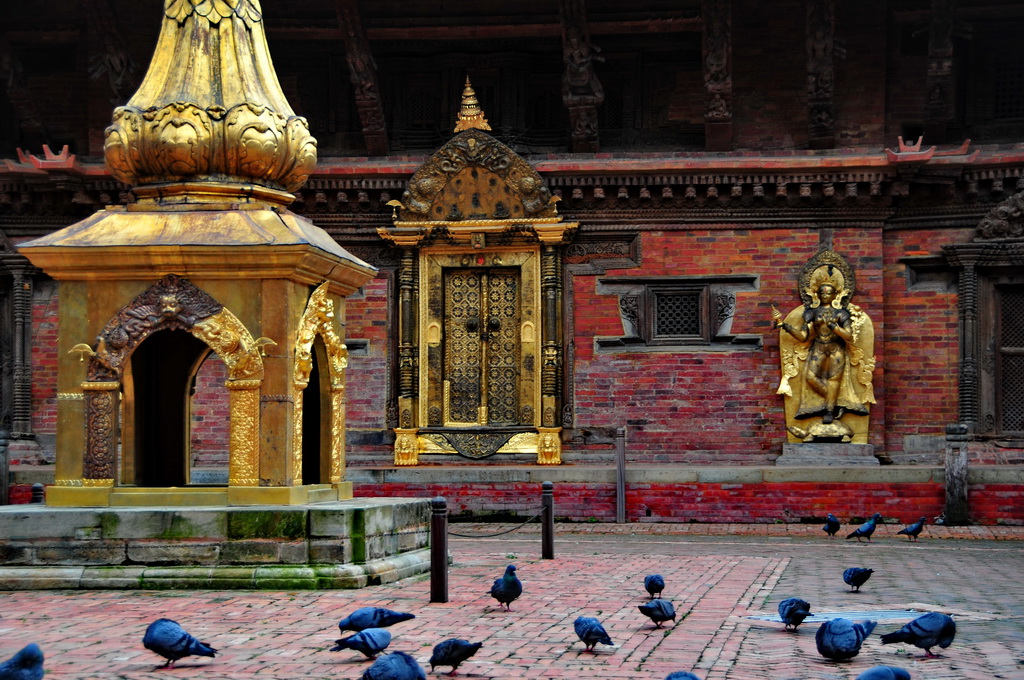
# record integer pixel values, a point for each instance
(210, 111)
(471, 116)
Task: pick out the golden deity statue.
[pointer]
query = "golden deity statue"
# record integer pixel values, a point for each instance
(827, 352)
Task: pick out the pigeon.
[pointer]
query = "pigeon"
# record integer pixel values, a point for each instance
(171, 641)
(507, 588)
(865, 529)
(370, 642)
(654, 584)
(394, 666)
(372, 617)
(840, 639)
(912, 531)
(658, 611)
(884, 673)
(831, 525)
(681, 675)
(856, 577)
(27, 664)
(452, 653)
(793, 611)
(590, 631)
(925, 632)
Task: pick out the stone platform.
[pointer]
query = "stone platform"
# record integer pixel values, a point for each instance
(830, 454)
(341, 544)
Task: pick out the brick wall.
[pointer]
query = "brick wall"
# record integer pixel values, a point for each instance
(44, 358)
(210, 432)
(711, 503)
(366, 378)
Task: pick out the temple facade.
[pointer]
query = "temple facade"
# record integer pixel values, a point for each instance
(770, 255)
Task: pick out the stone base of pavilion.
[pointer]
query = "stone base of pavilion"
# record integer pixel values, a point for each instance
(341, 544)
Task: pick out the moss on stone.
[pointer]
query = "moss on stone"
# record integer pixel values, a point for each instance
(180, 527)
(267, 524)
(109, 522)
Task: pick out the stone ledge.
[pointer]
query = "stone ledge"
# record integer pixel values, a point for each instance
(272, 577)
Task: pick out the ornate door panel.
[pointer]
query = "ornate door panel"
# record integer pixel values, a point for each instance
(481, 347)
(479, 364)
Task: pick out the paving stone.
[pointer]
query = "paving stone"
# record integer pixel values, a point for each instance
(716, 576)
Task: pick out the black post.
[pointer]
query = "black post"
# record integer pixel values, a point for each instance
(620, 475)
(547, 534)
(957, 508)
(5, 469)
(38, 493)
(439, 550)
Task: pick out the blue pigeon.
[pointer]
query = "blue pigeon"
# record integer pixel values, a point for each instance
(372, 617)
(590, 631)
(925, 632)
(654, 584)
(884, 673)
(681, 675)
(452, 653)
(831, 525)
(857, 576)
(658, 611)
(912, 531)
(840, 639)
(793, 611)
(865, 530)
(394, 666)
(370, 642)
(27, 664)
(507, 588)
(171, 641)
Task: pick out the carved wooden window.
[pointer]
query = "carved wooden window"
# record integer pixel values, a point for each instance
(659, 313)
(1009, 363)
(676, 315)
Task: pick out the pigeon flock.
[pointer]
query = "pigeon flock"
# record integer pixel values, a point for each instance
(837, 639)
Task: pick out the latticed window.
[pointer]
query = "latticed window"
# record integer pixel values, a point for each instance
(676, 315)
(1010, 366)
(1008, 90)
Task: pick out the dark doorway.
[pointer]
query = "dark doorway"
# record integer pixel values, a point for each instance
(316, 420)
(162, 368)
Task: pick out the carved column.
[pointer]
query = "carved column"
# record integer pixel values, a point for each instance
(821, 26)
(244, 444)
(408, 378)
(102, 401)
(716, 54)
(21, 413)
(582, 92)
(363, 71)
(549, 445)
(968, 307)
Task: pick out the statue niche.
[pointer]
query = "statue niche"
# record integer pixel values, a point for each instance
(827, 355)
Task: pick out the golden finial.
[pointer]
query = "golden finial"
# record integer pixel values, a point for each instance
(471, 116)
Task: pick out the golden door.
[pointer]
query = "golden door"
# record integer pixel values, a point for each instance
(481, 347)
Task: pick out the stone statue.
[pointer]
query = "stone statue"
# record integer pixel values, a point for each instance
(827, 347)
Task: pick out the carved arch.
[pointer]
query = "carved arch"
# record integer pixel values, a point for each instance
(174, 303)
(474, 176)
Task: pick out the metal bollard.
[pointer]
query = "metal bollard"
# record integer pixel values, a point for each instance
(439, 550)
(547, 519)
(38, 493)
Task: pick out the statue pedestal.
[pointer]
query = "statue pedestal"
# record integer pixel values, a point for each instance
(827, 453)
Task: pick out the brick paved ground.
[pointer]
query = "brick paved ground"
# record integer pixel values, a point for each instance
(717, 575)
